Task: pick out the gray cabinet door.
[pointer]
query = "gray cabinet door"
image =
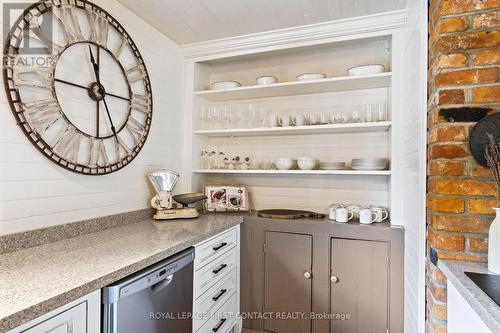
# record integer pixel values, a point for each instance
(359, 286)
(287, 258)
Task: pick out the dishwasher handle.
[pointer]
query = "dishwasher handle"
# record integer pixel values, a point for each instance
(162, 284)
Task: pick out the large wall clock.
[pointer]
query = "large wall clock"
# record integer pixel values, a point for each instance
(86, 101)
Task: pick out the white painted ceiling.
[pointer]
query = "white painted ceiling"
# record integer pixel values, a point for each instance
(190, 21)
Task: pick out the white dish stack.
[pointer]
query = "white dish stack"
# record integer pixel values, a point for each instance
(369, 164)
(325, 165)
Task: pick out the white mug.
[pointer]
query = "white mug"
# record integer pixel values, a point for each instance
(272, 120)
(285, 120)
(332, 211)
(299, 120)
(381, 213)
(355, 211)
(367, 216)
(343, 215)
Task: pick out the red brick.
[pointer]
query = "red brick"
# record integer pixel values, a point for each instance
(480, 171)
(447, 151)
(468, 41)
(468, 76)
(446, 205)
(446, 168)
(451, 96)
(444, 241)
(477, 245)
(455, 60)
(460, 223)
(447, 7)
(489, 94)
(457, 186)
(481, 206)
(487, 57)
(453, 24)
(486, 20)
(448, 133)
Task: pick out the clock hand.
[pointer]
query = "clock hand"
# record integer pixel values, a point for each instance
(86, 88)
(96, 72)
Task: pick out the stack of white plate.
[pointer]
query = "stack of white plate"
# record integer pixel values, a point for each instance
(369, 164)
(327, 165)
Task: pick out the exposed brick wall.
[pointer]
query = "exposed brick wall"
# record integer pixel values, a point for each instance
(464, 69)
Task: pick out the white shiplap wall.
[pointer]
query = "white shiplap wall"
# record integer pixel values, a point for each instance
(36, 193)
(414, 57)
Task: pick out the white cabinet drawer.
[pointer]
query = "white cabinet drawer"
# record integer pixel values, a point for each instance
(215, 247)
(222, 320)
(208, 276)
(214, 298)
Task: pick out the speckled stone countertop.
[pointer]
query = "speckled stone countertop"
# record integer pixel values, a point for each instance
(36, 280)
(482, 304)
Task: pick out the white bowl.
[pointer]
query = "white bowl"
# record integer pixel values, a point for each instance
(263, 80)
(310, 76)
(365, 70)
(307, 163)
(285, 163)
(225, 85)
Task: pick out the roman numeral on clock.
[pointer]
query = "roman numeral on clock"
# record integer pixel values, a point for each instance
(69, 23)
(43, 114)
(98, 28)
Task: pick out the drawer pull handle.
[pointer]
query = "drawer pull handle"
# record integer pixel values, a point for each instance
(219, 325)
(219, 295)
(217, 270)
(220, 246)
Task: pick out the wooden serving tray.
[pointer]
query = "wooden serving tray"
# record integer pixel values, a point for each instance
(288, 214)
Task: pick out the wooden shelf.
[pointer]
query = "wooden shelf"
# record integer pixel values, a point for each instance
(295, 172)
(333, 84)
(299, 130)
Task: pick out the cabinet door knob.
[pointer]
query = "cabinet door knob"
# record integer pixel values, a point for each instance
(334, 279)
(307, 275)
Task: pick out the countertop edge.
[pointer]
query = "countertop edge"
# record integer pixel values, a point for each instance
(19, 318)
(454, 271)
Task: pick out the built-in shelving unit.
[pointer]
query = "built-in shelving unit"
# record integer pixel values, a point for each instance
(381, 126)
(308, 189)
(333, 84)
(295, 172)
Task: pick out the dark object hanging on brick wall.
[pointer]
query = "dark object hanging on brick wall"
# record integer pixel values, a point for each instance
(463, 115)
(479, 136)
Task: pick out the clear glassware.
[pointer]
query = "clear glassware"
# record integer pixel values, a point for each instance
(227, 117)
(204, 118)
(324, 118)
(370, 112)
(260, 117)
(203, 159)
(381, 110)
(220, 159)
(212, 159)
(215, 117)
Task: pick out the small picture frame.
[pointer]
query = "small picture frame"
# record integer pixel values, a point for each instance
(227, 198)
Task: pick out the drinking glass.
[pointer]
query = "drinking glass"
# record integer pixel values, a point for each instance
(381, 112)
(370, 112)
(204, 117)
(259, 117)
(214, 115)
(227, 117)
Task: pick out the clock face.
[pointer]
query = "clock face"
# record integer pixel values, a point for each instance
(87, 103)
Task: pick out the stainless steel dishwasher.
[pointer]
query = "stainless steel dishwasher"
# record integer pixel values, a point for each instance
(158, 299)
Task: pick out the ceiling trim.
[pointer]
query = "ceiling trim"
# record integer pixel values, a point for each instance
(303, 35)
